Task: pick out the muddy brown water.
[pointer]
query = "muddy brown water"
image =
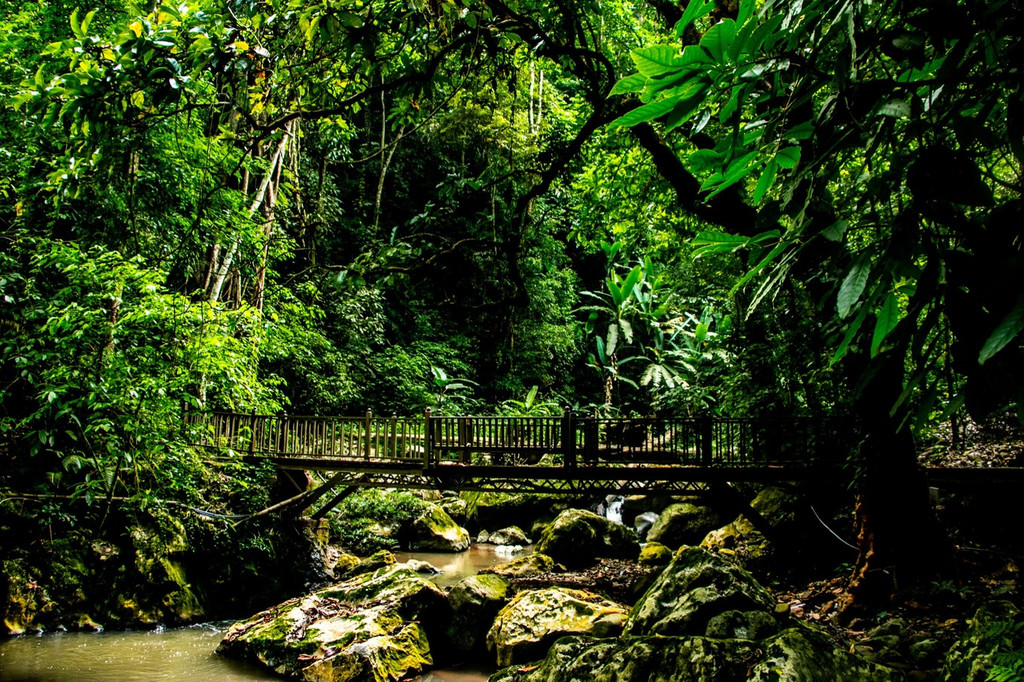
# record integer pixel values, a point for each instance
(188, 653)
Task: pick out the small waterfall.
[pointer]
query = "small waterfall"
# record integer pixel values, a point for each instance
(613, 508)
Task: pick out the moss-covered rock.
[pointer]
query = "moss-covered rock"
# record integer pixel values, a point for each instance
(793, 655)
(684, 523)
(638, 659)
(511, 535)
(374, 562)
(375, 626)
(692, 589)
(475, 602)
(434, 531)
(994, 628)
(802, 653)
(524, 566)
(534, 619)
(654, 554)
(578, 538)
(752, 625)
(455, 507)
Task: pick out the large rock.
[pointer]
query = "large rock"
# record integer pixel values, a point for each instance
(535, 618)
(475, 603)
(638, 659)
(434, 531)
(376, 626)
(794, 655)
(690, 591)
(801, 653)
(684, 523)
(578, 538)
(524, 566)
(512, 535)
(989, 632)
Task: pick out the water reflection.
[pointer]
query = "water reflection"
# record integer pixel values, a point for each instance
(455, 567)
(178, 654)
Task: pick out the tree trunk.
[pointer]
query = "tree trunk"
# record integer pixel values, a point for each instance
(901, 542)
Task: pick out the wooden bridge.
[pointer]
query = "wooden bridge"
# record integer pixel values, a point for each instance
(552, 454)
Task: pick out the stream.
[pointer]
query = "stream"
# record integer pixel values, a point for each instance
(188, 653)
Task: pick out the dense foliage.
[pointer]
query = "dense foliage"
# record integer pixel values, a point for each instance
(475, 205)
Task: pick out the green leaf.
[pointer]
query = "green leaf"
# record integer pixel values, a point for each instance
(788, 157)
(853, 286)
(694, 11)
(835, 231)
(642, 114)
(762, 264)
(888, 317)
(1006, 332)
(656, 60)
(702, 161)
(718, 39)
(633, 83)
(76, 27)
(736, 171)
(851, 332)
(765, 182)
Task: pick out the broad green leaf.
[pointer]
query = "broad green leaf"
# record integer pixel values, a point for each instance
(631, 281)
(642, 114)
(853, 286)
(703, 160)
(613, 339)
(633, 83)
(694, 11)
(718, 39)
(788, 157)
(835, 231)
(76, 27)
(888, 317)
(1006, 332)
(894, 108)
(656, 60)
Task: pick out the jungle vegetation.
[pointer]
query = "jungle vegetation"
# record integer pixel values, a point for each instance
(637, 208)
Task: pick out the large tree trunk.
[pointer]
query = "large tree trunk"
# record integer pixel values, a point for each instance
(901, 542)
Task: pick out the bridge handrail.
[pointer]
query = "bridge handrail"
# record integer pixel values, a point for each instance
(435, 440)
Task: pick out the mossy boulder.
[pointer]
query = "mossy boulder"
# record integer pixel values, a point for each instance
(434, 531)
(375, 626)
(995, 628)
(374, 562)
(684, 523)
(638, 659)
(802, 653)
(475, 602)
(753, 625)
(524, 566)
(793, 655)
(534, 619)
(654, 554)
(577, 538)
(511, 535)
(696, 586)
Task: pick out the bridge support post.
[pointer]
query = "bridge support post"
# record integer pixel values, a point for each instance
(706, 436)
(368, 425)
(428, 440)
(568, 438)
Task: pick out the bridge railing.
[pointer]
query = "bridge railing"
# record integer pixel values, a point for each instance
(350, 438)
(568, 440)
